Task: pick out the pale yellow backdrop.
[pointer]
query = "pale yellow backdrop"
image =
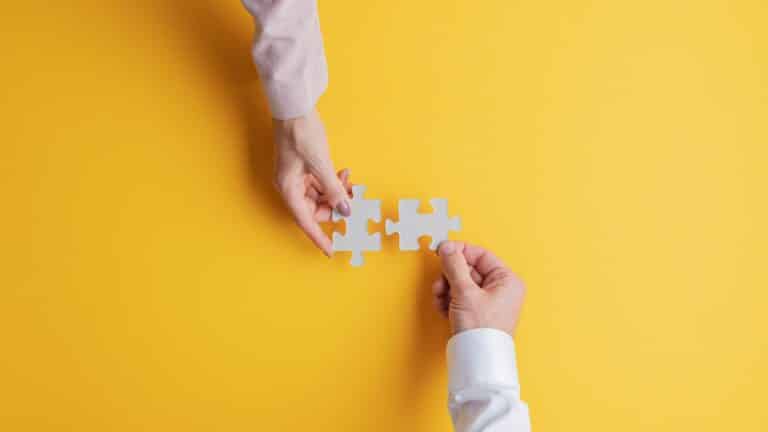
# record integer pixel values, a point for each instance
(613, 152)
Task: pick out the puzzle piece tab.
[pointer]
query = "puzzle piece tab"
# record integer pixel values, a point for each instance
(413, 224)
(357, 239)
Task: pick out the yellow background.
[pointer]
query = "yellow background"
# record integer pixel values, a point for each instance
(613, 152)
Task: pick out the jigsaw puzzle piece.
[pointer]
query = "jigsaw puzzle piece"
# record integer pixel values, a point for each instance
(413, 225)
(356, 246)
(441, 229)
(407, 209)
(356, 239)
(440, 206)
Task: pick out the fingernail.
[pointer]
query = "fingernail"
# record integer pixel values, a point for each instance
(343, 208)
(446, 248)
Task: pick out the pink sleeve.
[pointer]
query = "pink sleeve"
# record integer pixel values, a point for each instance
(288, 51)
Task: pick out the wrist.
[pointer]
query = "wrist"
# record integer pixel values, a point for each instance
(293, 122)
(286, 125)
(468, 324)
(295, 130)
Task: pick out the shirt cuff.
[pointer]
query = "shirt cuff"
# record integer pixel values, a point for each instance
(482, 357)
(289, 100)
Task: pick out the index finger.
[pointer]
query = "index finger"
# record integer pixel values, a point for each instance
(306, 221)
(483, 260)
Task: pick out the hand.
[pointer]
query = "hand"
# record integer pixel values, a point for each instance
(477, 290)
(305, 177)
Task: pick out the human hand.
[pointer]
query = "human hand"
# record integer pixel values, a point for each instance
(305, 177)
(477, 290)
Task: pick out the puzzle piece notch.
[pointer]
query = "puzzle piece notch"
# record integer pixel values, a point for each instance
(413, 224)
(356, 239)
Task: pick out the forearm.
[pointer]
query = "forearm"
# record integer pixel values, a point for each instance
(288, 52)
(484, 394)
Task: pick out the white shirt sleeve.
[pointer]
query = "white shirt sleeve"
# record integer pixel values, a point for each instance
(289, 54)
(483, 388)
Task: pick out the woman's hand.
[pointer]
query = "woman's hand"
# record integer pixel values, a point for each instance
(305, 176)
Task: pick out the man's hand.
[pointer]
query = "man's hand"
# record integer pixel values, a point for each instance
(477, 290)
(305, 176)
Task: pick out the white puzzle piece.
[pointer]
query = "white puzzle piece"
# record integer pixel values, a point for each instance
(413, 224)
(357, 239)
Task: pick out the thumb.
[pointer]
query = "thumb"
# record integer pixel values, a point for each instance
(455, 267)
(334, 190)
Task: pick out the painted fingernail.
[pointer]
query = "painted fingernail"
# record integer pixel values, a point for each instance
(343, 208)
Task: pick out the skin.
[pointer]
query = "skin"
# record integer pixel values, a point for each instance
(477, 290)
(305, 177)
